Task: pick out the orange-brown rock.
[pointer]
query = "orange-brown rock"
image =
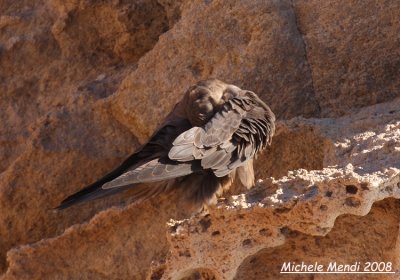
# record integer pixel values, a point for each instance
(83, 83)
(252, 43)
(359, 167)
(353, 50)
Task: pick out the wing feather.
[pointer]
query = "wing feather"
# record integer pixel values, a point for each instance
(183, 152)
(158, 146)
(214, 159)
(242, 126)
(154, 171)
(230, 139)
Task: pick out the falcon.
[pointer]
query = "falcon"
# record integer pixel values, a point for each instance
(206, 143)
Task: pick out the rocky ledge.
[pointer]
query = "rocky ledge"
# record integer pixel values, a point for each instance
(83, 83)
(248, 233)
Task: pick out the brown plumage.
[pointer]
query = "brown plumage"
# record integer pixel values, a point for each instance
(209, 139)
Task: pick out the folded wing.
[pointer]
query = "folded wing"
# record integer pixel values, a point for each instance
(243, 126)
(230, 139)
(157, 147)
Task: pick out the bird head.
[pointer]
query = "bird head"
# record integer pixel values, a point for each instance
(203, 99)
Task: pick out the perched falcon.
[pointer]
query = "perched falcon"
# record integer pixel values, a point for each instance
(209, 139)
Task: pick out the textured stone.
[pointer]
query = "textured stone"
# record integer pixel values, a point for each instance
(84, 82)
(254, 44)
(361, 243)
(361, 166)
(58, 60)
(353, 51)
(295, 207)
(119, 243)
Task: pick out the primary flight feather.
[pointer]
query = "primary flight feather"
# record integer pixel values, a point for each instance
(208, 140)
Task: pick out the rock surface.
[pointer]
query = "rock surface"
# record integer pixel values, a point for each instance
(85, 82)
(353, 50)
(359, 167)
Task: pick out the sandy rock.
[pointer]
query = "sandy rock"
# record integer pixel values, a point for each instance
(305, 203)
(353, 239)
(83, 83)
(58, 61)
(349, 68)
(302, 205)
(119, 243)
(255, 44)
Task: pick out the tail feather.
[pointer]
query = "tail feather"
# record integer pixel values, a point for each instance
(86, 195)
(95, 191)
(126, 176)
(202, 187)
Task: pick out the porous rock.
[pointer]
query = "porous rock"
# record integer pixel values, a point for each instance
(84, 83)
(360, 165)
